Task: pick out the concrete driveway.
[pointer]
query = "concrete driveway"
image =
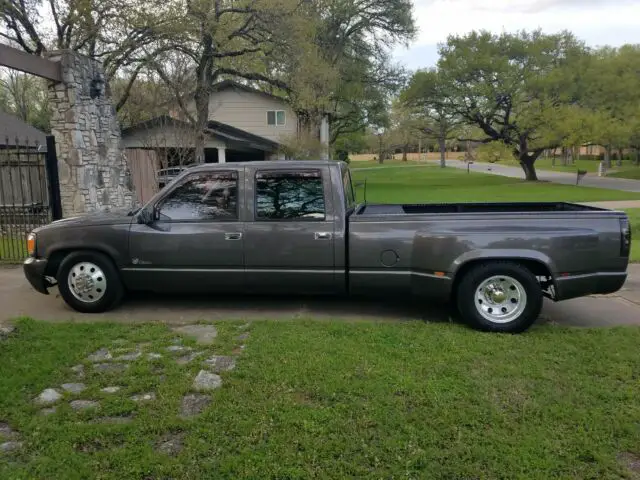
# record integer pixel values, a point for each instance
(18, 299)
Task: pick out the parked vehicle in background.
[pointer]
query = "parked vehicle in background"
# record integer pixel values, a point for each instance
(292, 227)
(166, 175)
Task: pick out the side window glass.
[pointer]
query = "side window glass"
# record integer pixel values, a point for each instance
(204, 196)
(290, 196)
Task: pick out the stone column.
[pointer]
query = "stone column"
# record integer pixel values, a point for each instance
(93, 170)
(222, 155)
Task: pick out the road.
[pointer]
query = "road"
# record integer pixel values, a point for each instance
(590, 180)
(18, 299)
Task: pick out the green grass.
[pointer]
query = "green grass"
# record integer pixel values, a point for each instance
(395, 184)
(631, 172)
(336, 400)
(12, 248)
(634, 218)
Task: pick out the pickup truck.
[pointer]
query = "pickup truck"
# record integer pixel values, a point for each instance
(295, 227)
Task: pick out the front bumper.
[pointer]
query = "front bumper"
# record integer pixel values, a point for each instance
(34, 269)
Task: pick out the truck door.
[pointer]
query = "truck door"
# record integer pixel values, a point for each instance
(289, 241)
(196, 242)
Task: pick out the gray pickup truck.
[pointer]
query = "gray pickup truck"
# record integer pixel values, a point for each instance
(295, 227)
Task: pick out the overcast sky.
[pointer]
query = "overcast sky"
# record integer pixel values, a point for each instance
(598, 22)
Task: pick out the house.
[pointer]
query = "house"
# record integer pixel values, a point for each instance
(245, 124)
(16, 133)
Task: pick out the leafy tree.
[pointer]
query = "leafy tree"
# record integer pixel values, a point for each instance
(511, 85)
(434, 114)
(123, 35)
(26, 97)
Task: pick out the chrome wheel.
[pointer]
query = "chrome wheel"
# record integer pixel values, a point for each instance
(501, 299)
(87, 282)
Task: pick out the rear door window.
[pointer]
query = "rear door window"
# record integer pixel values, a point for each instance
(282, 195)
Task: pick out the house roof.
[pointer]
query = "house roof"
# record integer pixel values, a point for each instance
(12, 128)
(232, 85)
(216, 129)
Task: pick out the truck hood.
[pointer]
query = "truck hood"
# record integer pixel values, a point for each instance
(115, 217)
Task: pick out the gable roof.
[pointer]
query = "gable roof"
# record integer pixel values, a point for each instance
(232, 85)
(216, 129)
(12, 128)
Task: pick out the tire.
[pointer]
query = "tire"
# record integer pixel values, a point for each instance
(499, 297)
(89, 282)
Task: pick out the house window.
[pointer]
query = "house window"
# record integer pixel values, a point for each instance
(276, 118)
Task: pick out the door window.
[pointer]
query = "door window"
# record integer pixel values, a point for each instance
(203, 196)
(290, 196)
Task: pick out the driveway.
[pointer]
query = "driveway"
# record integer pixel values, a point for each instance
(18, 299)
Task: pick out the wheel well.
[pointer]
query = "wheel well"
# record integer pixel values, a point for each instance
(56, 258)
(536, 267)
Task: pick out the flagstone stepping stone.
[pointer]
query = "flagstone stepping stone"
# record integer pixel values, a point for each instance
(207, 381)
(100, 356)
(203, 334)
(221, 363)
(144, 397)
(11, 446)
(73, 387)
(6, 431)
(130, 356)
(48, 396)
(188, 358)
(114, 389)
(193, 404)
(154, 356)
(171, 444)
(84, 404)
(78, 370)
(110, 367)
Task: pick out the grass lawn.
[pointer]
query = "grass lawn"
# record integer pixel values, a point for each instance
(631, 172)
(396, 184)
(634, 218)
(12, 248)
(332, 400)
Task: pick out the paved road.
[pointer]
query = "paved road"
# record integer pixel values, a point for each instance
(18, 299)
(590, 180)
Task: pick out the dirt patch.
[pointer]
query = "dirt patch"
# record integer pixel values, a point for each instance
(171, 444)
(630, 461)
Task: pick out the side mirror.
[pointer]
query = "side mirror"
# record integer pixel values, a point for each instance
(146, 216)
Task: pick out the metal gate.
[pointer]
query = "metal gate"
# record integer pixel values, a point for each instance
(29, 193)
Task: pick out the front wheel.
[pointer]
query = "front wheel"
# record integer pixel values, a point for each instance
(89, 282)
(500, 297)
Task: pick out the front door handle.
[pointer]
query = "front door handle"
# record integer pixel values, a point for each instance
(323, 236)
(233, 236)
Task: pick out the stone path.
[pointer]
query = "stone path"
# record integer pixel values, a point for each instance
(209, 378)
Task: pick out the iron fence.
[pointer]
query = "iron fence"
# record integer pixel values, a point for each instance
(29, 193)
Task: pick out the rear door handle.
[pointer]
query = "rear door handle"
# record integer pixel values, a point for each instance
(233, 236)
(323, 236)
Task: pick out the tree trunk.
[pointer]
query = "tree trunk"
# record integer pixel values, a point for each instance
(201, 98)
(380, 152)
(404, 152)
(607, 156)
(619, 162)
(637, 156)
(576, 157)
(443, 153)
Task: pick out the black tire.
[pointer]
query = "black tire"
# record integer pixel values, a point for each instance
(467, 301)
(113, 293)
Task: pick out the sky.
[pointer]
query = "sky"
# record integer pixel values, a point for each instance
(597, 22)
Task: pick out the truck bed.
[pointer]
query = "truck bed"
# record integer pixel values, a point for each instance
(511, 207)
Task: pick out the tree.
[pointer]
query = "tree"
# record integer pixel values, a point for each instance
(427, 100)
(221, 39)
(26, 97)
(115, 32)
(511, 85)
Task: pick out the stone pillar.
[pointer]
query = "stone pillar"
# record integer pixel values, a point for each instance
(93, 170)
(222, 155)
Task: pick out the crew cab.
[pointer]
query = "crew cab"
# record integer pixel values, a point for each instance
(295, 227)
